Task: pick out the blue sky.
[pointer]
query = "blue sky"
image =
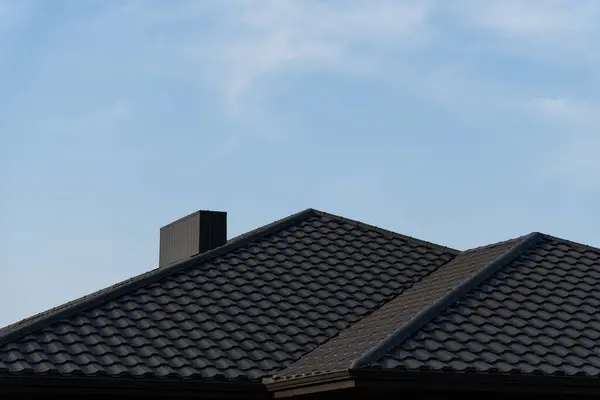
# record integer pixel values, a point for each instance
(458, 122)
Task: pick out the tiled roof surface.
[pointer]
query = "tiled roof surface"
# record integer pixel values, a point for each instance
(358, 344)
(538, 315)
(241, 311)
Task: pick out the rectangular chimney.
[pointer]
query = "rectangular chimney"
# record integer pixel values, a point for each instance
(192, 235)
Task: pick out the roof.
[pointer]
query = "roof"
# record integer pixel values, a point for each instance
(528, 306)
(539, 314)
(240, 312)
(314, 295)
(356, 345)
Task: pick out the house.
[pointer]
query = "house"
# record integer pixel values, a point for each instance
(317, 306)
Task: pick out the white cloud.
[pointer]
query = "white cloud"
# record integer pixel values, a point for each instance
(561, 30)
(255, 40)
(556, 33)
(577, 114)
(534, 19)
(242, 47)
(574, 163)
(575, 158)
(314, 34)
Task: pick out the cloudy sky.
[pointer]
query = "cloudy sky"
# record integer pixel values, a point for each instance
(459, 122)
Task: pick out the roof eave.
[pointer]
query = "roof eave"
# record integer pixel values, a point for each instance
(316, 383)
(407, 381)
(448, 381)
(105, 385)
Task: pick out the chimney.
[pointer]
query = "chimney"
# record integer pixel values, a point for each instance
(192, 235)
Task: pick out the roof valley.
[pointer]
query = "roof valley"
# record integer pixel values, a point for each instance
(365, 316)
(417, 321)
(369, 338)
(238, 312)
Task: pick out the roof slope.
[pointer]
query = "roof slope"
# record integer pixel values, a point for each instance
(239, 312)
(525, 306)
(362, 341)
(538, 315)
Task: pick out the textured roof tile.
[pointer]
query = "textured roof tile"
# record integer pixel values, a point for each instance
(358, 344)
(317, 293)
(242, 311)
(526, 306)
(537, 315)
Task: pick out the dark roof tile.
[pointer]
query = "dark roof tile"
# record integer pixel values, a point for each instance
(537, 315)
(241, 311)
(362, 341)
(316, 293)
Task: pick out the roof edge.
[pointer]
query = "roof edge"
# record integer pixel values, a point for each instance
(104, 385)
(37, 321)
(386, 232)
(571, 242)
(403, 332)
(307, 384)
(440, 381)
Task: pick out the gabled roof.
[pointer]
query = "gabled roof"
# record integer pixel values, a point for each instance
(239, 312)
(529, 306)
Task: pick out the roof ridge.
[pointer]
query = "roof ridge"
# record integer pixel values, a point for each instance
(268, 226)
(30, 324)
(402, 332)
(386, 232)
(500, 243)
(571, 242)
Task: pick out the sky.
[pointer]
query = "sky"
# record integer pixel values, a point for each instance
(459, 122)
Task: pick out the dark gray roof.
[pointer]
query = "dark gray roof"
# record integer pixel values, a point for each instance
(239, 312)
(540, 314)
(525, 306)
(316, 293)
(358, 344)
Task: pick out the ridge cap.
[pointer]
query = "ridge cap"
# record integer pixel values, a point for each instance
(402, 332)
